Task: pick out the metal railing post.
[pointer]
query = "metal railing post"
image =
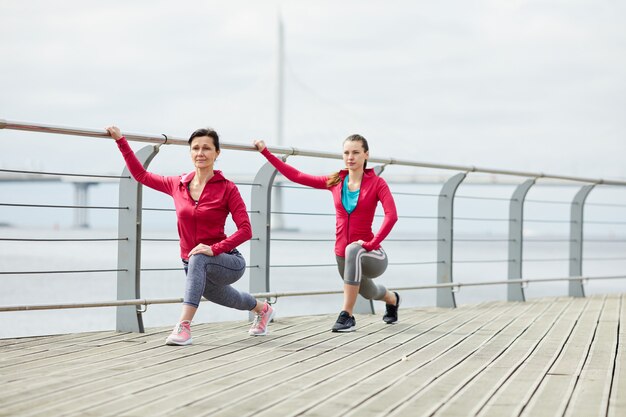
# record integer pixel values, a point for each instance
(576, 288)
(445, 235)
(261, 219)
(128, 318)
(515, 292)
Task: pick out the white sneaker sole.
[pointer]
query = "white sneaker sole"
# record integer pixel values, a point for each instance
(175, 343)
(348, 330)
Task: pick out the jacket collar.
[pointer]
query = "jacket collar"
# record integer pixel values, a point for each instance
(185, 179)
(369, 172)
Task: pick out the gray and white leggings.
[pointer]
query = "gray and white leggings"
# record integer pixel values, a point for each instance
(211, 276)
(360, 266)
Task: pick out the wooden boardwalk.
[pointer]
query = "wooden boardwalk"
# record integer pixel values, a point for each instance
(545, 357)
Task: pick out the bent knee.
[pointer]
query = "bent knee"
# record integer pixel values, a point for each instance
(353, 249)
(196, 260)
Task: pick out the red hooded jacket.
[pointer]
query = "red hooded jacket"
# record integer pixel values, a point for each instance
(358, 224)
(201, 222)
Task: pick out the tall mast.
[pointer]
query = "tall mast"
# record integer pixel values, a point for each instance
(277, 219)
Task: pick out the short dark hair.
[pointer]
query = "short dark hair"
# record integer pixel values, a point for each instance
(206, 131)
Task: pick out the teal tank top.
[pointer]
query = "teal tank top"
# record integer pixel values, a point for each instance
(349, 198)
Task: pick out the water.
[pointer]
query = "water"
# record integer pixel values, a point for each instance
(84, 287)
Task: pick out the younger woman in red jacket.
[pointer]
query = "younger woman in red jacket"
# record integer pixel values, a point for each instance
(203, 199)
(356, 193)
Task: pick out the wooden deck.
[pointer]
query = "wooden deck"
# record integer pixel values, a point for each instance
(546, 357)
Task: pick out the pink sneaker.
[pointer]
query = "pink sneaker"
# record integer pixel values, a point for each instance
(259, 326)
(181, 335)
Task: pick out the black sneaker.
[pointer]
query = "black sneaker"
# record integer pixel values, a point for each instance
(345, 323)
(391, 313)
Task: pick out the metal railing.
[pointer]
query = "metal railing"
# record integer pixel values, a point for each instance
(128, 304)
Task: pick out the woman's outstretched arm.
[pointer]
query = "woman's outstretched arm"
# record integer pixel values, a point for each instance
(290, 172)
(139, 173)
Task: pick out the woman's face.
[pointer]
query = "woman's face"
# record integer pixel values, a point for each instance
(203, 152)
(354, 156)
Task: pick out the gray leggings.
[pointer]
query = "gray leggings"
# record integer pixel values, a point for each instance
(211, 276)
(360, 266)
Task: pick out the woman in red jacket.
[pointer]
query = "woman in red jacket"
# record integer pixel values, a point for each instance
(356, 193)
(203, 199)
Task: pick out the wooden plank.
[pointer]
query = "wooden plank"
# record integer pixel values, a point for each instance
(233, 370)
(515, 391)
(556, 387)
(591, 394)
(490, 359)
(335, 345)
(473, 396)
(360, 366)
(135, 368)
(617, 398)
(441, 388)
(402, 393)
(323, 348)
(140, 377)
(122, 351)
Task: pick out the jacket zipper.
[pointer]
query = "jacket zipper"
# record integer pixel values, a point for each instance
(195, 208)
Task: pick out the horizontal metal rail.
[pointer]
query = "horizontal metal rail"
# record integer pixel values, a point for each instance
(615, 258)
(530, 200)
(173, 210)
(332, 240)
(172, 140)
(10, 239)
(275, 295)
(306, 213)
(62, 206)
(481, 219)
(175, 240)
(335, 265)
(606, 205)
(395, 193)
(483, 261)
(180, 268)
(484, 240)
(63, 174)
(472, 197)
(79, 271)
(555, 221)
(549, 260)
(605, 222)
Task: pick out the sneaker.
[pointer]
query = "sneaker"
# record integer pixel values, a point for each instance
(261, 320)
(181, 335)
(345, 323)
(391, 313)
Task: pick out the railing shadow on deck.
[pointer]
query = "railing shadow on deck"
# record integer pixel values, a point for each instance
(130, 306)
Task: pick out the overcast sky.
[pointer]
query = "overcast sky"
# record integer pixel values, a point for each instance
(526, 85)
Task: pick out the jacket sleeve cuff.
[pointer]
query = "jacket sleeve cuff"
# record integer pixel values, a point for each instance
(368, 246)
(216, 249)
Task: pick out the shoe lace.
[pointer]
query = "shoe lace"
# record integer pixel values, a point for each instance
(179, 328)
(257, 319)
(343, 319)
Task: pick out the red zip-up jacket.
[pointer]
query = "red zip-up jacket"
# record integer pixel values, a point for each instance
(201, 222)
(358, 224)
